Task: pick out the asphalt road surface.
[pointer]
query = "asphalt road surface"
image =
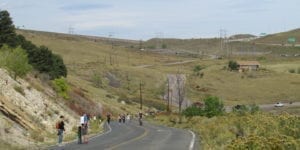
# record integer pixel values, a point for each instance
(131, 136)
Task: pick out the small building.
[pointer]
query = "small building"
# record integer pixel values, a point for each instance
(248, 65)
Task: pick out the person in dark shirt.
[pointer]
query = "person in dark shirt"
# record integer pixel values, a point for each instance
(61, 129)
(140, 116)
(108, 118)
(79, 133)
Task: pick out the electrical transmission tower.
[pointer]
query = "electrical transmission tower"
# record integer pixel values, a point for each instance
(71, 30)
(223, 41)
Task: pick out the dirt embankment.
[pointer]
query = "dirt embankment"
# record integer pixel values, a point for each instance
(28, 114)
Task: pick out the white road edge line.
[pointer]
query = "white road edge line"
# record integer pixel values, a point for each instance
(109, 130)
(192, 141)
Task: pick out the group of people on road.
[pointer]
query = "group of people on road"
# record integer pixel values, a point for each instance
(83, 129)
(84, 125)
(81, 132)
(122, 118)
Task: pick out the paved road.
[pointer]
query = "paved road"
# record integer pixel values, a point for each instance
(131, 136)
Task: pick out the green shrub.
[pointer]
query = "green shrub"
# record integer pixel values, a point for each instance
(61, 87)
(97, 80)
(254, 108)
(232, 65)
(213, 106)
(193, 111)
(20, 90)
(197, 70)
(292, 70)
(241, 109)
(15, 61)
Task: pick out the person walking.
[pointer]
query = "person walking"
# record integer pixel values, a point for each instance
(120, 118)
(84, 133)
(108, 116)
(79, 133)
(128, 117)
(60, 130)
(123, 118)
(140, 115)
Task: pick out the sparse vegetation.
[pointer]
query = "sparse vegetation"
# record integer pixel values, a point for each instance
(15, 61)
(232, 65)
(37, 136)
(97, 80)
(292, 70)
(234, 131)
(20, 90)
(61, 87)
(213, 106)
(197, 70)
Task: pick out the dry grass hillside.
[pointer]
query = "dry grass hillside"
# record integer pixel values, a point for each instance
(242, 36)
(280, 38)
(122, 68)
(195, 46)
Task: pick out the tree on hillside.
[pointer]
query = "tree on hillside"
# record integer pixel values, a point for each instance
(7, 30)
(233, 65)
(181, 91)
(15, 61)
(41, 58)
(58, 67)
(213, 106)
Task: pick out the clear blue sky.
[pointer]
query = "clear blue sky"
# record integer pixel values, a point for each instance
(144, 19)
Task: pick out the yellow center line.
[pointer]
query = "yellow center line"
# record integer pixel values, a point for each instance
(132, 140)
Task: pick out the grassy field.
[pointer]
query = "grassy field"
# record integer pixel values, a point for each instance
(122, 68)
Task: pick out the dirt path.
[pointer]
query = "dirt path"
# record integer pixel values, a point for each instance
(166, 64)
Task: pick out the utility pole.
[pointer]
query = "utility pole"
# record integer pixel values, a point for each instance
(141, 44)
(141, 97)
(128, 81)
(171, 100)
(168, 106)
(110, 35)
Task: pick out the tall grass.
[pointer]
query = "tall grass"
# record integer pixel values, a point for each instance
(236, 131)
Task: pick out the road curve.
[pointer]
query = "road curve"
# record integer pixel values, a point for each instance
(131, 136)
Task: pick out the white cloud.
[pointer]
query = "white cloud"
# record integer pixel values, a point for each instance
(93, 19)
(100, 23)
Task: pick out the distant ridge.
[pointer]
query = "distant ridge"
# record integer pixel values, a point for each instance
(280, 38)
(77, 35)
(242, 36)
